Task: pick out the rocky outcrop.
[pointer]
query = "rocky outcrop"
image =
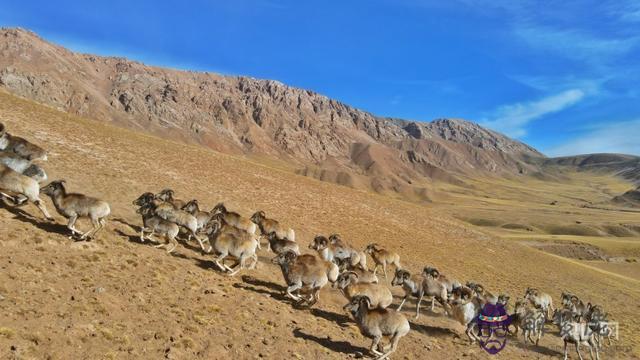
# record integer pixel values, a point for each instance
(322, 137)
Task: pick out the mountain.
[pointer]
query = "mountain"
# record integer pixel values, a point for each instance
(318, 136)
(630, 198)
(624, 166)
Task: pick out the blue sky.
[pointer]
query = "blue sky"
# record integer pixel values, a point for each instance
(562, 76)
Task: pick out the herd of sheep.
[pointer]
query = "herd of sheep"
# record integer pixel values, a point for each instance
(231, 236)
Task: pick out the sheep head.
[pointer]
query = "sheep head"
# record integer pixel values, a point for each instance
(54, 188)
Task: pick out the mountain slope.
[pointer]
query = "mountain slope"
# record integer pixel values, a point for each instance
(319, 136)
(116, 298)
(624, 166)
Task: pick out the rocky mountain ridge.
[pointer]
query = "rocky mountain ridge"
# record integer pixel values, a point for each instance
(319, 136)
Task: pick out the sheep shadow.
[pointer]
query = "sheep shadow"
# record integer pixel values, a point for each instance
(122, 221)
(340, 319)
(537, 349)
(131, 238)
(433, 330)
(42, 224)
(207, 264)
(268, 284)
(263, 287)
(342, 347)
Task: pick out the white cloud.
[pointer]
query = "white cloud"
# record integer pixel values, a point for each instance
(575, 44)
(614, 137)
(512, 119)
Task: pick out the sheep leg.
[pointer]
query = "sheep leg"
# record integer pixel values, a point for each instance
(217, 262)
(254, 263)
(142, 239)
(394, 346)
(72, 225)
(566, 351)
(315, 296)
(291, 289)
(418, 305)
(101, 224)
(89, 234)
(588, 343)
(374, 345)
(384, 269)
(238, 267)
(469, 332)
(375, 269)
(173, 246)
(402, 303)
(531, 337)
(201, 242)
(578, 350)
(7, 197)
(42, 209)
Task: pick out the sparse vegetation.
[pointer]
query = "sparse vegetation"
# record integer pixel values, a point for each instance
(159, 314)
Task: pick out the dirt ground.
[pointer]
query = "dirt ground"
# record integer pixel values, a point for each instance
(116, 298)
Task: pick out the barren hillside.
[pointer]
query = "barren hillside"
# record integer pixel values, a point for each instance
(318, 136)
(116, 298)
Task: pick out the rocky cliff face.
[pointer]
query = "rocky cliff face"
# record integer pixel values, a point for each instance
(322, 137)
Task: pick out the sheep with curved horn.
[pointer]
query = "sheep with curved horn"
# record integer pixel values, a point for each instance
(73, 206)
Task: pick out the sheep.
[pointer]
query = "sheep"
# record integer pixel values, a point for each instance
(333, 249)
(203, 217)
(565, 299)
(267, 226)
(541, 300)
(168, 212)
(73, 206)
(305, 272)
(465, 306)
(154, 224)
(531, 320)
(13, 182)
(419, 286)
(240, 245)
(503, 299)
(364, 276)
(343, 251)
(20, 146)
(23, 166)
(597, 320)
(577, 307)
(379, 295)
(376, 323)
(574, 332)
(235, 219)
(278, 245)
(484, 295)
(382, 257)
(167, 196)
(450, 284)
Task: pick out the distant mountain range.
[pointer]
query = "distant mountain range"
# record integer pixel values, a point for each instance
(318, 136)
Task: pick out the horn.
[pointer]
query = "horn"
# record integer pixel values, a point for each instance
(352, 273)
